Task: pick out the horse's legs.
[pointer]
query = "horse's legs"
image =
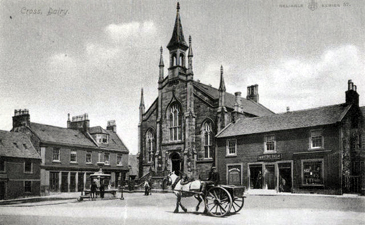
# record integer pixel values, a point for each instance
(199, 198)
(178, 199)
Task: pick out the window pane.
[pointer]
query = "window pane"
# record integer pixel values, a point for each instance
(27, 186)
(317, 141)
(28, 167)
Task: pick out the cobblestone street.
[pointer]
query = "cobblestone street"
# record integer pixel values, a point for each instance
(158, 209)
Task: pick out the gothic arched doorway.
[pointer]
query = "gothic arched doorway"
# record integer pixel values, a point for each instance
(176, 163)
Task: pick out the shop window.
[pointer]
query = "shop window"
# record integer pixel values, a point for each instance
(56, 154)
(107, 158)
(119, 160)
(73, 156)
(270, 143)
(54, 181)
(28, 167)
(27, 186)
(312, 172)
(316, 139)
(99, 157)
(88, 157)
(231, 147)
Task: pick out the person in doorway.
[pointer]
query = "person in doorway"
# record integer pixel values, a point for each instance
(146, 187)
(259, 180)
(93, 191)
(282, 183)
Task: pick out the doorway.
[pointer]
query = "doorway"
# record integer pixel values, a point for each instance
(64, 182)
(270, 176)
(256, 176)
(176, 163)
(2, 190)
(285, 178)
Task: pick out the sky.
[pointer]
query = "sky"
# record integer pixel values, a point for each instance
(89, 56)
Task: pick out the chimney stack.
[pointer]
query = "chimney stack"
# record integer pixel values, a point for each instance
(253, 93)
(112, 126)
(21, 118)
(352, 97)
(238, 103)
(80, 122)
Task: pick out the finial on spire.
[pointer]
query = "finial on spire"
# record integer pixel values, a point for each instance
(178, 6)
(161, 60)
(189, 39)
(221, 69)
(161, 50)
(142, 100)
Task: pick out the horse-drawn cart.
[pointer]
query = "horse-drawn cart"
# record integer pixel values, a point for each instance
(219, 200)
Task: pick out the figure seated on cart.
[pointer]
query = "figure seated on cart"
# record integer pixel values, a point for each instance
(213, 178)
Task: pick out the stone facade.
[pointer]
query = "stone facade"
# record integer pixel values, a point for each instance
(177, 132)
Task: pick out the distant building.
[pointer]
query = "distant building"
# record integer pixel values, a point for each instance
(177, 132)
(19, 166)
(318, 150)
(69, 155)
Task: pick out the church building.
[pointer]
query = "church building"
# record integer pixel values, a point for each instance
(177, 132)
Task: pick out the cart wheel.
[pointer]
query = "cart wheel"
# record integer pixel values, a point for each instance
(237, 204)
(218, 201)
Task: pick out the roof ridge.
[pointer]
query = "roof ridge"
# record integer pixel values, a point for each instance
(42, 124)
(310, 109)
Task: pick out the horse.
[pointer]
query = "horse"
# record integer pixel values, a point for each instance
(182, 190)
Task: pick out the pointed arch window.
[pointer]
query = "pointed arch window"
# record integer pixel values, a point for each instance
(175, 123)
(182, 60)
(207, 138)
(149, 146)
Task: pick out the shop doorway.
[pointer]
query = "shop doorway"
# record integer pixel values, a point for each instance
(80, 182)
(176, 163)
(270, 177)
(2, 190)
(256, 176)
(285, 178)
(54, 181)
(64, 182)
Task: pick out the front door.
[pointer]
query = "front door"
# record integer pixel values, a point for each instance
(285, 181)
(270, 177)
(176, 163)
(2, 190)
(64, 182)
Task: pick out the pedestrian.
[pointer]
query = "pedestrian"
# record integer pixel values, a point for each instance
(259, 180)
(101, 189)
(146, 187)
(93, 191)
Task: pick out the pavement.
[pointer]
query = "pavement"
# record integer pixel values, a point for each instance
(61, 197)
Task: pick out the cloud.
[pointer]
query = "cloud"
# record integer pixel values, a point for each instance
(119, 33)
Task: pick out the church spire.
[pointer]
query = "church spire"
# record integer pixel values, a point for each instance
(222, 86)
(142, 100)
(177, 39)
(161, 66)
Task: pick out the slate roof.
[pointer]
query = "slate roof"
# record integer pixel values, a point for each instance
(22, 148)
(291, 120)
(97, 130)
(249, 106)
(60, 135)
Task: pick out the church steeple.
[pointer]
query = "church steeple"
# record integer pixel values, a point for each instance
(177, 47)
(177, 40)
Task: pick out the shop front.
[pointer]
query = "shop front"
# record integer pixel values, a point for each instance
(269, 174)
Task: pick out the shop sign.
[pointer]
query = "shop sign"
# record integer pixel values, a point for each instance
(269, 157)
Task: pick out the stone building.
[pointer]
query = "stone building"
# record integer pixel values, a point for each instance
(319, 150)
(19, 166)
(177, 132)
(69, 155)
